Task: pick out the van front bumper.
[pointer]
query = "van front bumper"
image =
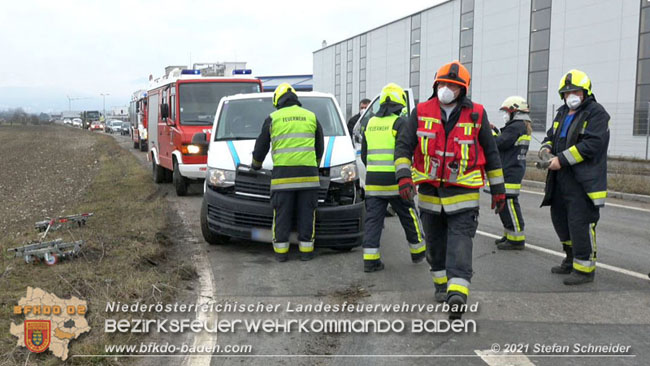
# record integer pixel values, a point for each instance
(336, 226)
(193, 171)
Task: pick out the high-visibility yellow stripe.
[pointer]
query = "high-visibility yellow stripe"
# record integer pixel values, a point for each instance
(371, 257)
(440, 281)
(402, 161)
(513, 186)
(585, 268)
(597, 195)
(295, 180)
(273, 226)
(495, 173)
(576, 154)
(458, 288)
(459, 198)
(514, 214)
(416, 223)
(515, 237)
(567, 242)
(430, 199)
(382, 188)
(555, 125)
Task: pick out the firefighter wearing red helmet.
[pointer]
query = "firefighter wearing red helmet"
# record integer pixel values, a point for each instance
(447, 150)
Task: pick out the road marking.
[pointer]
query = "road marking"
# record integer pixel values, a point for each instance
(493, 358)
(207, 289)
(624, 271)
(606, 204)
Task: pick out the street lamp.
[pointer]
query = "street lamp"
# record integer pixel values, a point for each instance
(104, 104)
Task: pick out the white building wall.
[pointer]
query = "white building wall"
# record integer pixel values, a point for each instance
(500, 63)
(439, 42)
(324, 70)
(388, 56)
(604, 45)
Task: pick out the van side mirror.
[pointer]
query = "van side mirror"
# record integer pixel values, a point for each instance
(200, 139)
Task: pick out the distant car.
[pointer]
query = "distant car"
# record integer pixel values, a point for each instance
(113, 126)
(77, 122)
(95, 126)
(126, 127)
(67, 121)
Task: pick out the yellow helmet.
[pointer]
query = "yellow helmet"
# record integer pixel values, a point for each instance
(574, 80)
(393, 93)
(515, 103)
(281, 90)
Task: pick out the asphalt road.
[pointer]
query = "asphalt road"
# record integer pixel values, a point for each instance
(519, 300)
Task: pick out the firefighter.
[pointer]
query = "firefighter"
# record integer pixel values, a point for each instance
(449, 145)
(576, 184)
(513, 141)
(296, 141)
(377, 153)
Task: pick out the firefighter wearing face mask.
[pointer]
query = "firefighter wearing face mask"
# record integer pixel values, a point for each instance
(447, 150)
(576, 184)
(513, 141)
(377, 153)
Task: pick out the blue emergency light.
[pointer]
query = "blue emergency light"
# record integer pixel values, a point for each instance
(190, 72)
(242, 72)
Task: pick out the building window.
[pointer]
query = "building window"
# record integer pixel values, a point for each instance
(414, 80)
(348, 81)
(641, 125)
(337, 73)
(466, 36)
(540, 40)
(362, 66)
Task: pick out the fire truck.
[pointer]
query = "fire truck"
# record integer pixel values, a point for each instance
(180, 104)
(138, 118)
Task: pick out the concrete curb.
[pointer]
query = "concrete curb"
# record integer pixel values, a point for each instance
(612, 194)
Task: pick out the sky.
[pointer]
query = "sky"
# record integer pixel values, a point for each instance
(54, 49)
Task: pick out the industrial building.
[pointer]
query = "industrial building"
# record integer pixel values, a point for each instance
(511, 47)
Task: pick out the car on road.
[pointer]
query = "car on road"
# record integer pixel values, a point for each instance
(77, 122)
(126, 127)
(236, 199)
(67, 121)
(96, 126)
(113, 126)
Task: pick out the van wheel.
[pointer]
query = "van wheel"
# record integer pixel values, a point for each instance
(158, 172)
(180, 182)
(210, 236)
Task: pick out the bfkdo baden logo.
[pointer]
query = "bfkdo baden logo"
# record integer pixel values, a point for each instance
(51, 323)
(37, 335)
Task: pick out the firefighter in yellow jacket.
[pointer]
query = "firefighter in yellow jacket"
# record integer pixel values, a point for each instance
(449, 145)
(377, 153)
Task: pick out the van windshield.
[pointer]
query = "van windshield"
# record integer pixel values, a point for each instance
(242, 119)
(199, 101)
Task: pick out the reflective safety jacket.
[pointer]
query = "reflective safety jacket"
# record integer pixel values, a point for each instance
(296, 141)
(378, 156)
(583, 151)
(451, 155)
(513, 142)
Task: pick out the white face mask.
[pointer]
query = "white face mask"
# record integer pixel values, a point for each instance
(506, 117)
(445, 95)
(573, 101)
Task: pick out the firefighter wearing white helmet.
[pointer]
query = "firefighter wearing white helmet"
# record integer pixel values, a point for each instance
(513, 140)
(296, 141)
(377, 153)
(576, 185)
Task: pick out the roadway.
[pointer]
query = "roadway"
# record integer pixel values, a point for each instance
(520, 301)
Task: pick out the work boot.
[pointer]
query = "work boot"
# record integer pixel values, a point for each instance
(440, 293)
(499, 241)
(510, 245)
(578, 278)
(373, 265)
(417, 257)
(281, 257)
(565, 267)
(456, 299)
(306, 256)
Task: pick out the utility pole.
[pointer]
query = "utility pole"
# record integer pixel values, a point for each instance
(104, 104)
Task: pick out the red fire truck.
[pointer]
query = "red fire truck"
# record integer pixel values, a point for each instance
(180, 104)
(138, 116)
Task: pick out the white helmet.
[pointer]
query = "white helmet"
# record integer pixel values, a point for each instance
(515, 103)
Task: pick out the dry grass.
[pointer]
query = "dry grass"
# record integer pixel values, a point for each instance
(124, 258)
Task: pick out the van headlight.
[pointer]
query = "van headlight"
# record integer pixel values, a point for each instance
(221, 177)
(344, 173)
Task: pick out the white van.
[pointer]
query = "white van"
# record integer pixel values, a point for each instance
(236, 200)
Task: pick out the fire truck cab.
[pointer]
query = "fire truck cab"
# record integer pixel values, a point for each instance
(138, 115)
(180, 104)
